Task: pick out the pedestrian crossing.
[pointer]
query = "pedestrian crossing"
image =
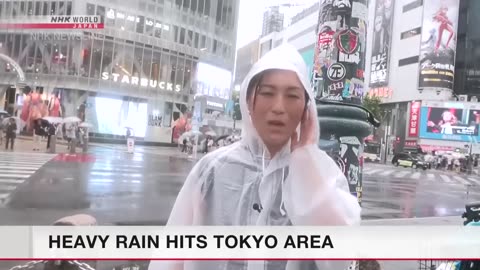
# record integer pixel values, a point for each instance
(428, 176)
(16, 168)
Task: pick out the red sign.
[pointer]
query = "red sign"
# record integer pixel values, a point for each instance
(414, 119)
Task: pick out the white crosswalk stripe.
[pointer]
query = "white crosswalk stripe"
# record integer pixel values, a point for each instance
(445, 178)
(388, 172)
(416, 175)
(427, 177)
(16, 168)
(461, 180)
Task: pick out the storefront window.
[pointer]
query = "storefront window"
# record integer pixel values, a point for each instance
(38, 7)
(90, 9)
(203, 42)
(59, 58)
(187, 75)
(158, 29)
(137, 64)
(155, 73)
(164, 66)
(175, 33)
(101, 12)
(96, 59)
(45, 10)
(86, 55)
(30, 8)
(189, 41)
(130, 23)
(53, 8)
(147, 62)
(128, 59)
(201, 5)
(196, 40)
(149, 26)
(179, 79)
(173, 70)
(182, 36)
(107, 56)
(120, 20)
(110, 17)
(140, 24)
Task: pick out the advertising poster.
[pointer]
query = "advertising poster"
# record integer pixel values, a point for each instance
(350, 151)
(340, 49)
(437, 52)
(382, 40)
(450, 122)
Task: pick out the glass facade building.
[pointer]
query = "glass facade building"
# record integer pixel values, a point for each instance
(467, 63)
(148, 53)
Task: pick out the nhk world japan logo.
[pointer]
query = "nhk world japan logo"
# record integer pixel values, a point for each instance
(53, 22)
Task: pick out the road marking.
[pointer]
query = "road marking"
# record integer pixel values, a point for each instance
(373, 171)
(15, 170)
(4, 196)
(474, 180)
(416, 175)
(11, 181)
(401, 174)
(385, 173)
(4, 175)
(445, 178)
(430, 176)
(20, 167)
(7, 188)
(461, 180)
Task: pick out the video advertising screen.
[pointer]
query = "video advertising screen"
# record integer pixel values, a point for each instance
(459, 124)
(112, 116)
(213, 81)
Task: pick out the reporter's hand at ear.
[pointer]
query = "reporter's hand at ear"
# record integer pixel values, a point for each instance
(307, 130)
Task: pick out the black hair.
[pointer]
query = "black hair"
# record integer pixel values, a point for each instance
(254, 85)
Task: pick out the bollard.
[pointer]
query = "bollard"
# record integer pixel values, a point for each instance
(343, 128)
(73, 146)
(53, 144)
(85, 144)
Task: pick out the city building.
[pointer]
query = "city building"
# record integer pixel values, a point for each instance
(272, 20)
(421, 62)
(246, 57)
(141, 71)
(300, 33)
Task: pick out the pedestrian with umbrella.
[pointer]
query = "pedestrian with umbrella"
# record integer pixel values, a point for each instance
(38, 133)
(10, 133)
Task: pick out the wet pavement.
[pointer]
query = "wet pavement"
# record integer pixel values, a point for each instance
(139, 189)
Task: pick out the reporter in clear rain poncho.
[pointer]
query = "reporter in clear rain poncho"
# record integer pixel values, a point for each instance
(276, 174)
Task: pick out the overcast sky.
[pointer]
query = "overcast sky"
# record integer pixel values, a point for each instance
(251, 17)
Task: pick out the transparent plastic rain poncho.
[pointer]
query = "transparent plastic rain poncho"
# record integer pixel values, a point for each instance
(303, 187)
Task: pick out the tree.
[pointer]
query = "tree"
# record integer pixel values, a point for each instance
(373, 104)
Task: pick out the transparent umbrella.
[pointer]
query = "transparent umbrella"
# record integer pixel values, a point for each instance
(211, 133)
(85, 125)
(71, 119)
(53, 120)
(20, 123)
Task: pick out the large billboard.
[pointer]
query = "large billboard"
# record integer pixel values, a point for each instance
(382, 40)
(453, 121)
(437, 52)
(213, 81)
